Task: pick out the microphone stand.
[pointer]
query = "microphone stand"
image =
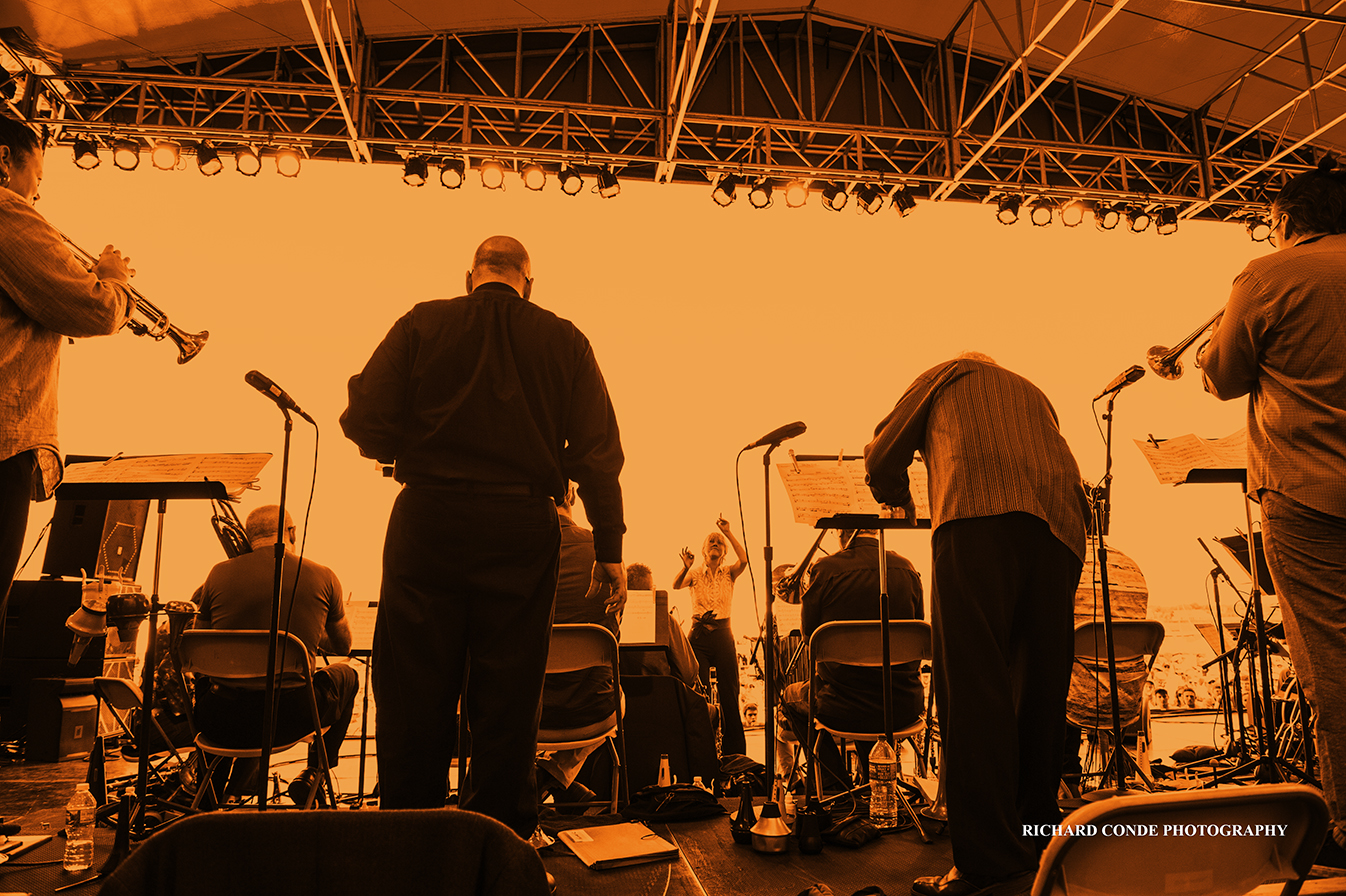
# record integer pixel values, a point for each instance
(269, 698)
(1238, 743)
(769, 624)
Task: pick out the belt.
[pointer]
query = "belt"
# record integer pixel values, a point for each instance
(474, 487)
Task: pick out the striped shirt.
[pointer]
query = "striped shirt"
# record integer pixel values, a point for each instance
(1282, 342)
(991, 445)
(45, 295)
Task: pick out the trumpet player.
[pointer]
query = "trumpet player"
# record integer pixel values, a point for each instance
(45, 296)
(1282, 342)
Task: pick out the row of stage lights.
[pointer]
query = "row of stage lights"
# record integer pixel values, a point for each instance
(453, 172)
(1107, 216)
(166, 155)
(869, 197)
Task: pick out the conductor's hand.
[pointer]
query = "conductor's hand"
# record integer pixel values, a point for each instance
(611, 575)
(723, 524)
(112, 266)
(688, 558)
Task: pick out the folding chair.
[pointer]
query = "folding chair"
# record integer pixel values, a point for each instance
(1136, 643)
(1181, 842)
(857, 643)
(238, 659)
(585, 646)
(121, 696)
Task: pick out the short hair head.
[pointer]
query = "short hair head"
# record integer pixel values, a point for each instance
(503, 256)
(713, 537)
(976, 356)
(261, 523)
(1314, 201)
(639, 577)
(21, 139)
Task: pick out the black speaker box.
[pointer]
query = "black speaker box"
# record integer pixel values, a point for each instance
(62, 719)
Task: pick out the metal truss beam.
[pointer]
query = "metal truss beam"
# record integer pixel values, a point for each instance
(693, 94)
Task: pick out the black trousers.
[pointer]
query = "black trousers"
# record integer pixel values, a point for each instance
(469, 582)
(16, 493)
(1003, 598)
(713, 645)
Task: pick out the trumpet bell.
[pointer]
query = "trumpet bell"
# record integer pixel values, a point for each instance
(1166, 361)
(189, 344)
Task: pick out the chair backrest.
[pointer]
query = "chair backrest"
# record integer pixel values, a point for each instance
(580, 645)
(119, 693)
(1195, 842)
(1131, 638)
(860, 643)
(240, 656)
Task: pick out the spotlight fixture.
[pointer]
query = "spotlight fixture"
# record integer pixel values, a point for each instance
(165, 155)
(725, 191)
(492, 174)
(287, 162)
(1072, 213)
(126, 154)
(1040, 211)
(86, 153)
(534, 178)
(870, 198)
(571, 182)
(796, 193)
(835, 196)
(1137, 218)
(607, 185)
(1258, 227)
(1106, 217)
(208, 160)
(416, 171)
(1007, 209)
(760, 194)
(247, 160)
(903, 201)
(1166, 221)
(451, 173)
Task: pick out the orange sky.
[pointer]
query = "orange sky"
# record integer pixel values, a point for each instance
(712, 326)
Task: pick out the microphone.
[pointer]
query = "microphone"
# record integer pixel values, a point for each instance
(264, 384)
(780, 434)
(1122, 380)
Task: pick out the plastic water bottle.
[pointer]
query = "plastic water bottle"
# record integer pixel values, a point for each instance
(883, 785)
(80, 815)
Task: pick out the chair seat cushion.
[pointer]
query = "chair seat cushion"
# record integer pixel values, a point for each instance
(554, 737)
(898, 733)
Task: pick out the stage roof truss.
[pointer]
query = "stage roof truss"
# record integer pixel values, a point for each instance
(701, 91)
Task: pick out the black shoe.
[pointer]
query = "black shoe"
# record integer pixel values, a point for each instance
(955, 884)
(303, 783)
(1331, 855)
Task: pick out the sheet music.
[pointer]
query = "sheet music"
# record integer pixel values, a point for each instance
(1173, 459)
(825, 488)
(638, 618)
(360, 616)
(236, 471)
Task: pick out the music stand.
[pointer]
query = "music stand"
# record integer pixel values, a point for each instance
(162, 493)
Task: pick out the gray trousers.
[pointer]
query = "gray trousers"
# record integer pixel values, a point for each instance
(1306, 552)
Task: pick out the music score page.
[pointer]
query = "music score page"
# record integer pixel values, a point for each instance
(1174, 459)
(828, 487)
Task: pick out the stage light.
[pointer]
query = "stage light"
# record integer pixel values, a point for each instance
(1072, 213)
(164, 155)
(796, 193)
(126, 154)
(607, 185)
(571, 182)
(1007, 209)
(415, 171)
(903, 201)
(870, 198)
(760, 194)
(247, 161)
(492, 174)
(1166, 221)
(451, 173)
(835, 196)
(725, 191)
(208, 160)
(1106, 217)
(1040, 211)
(86, 153)
(1258, 227)
(534, 178)
(288, 162)
(1137, 218)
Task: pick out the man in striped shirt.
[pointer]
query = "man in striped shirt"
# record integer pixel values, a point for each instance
(1008, 510)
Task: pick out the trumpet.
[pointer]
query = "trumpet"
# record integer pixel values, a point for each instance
(156, 324)
(1165, 361)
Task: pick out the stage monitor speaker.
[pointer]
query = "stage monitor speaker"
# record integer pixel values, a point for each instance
(62, 719)
(100, 538)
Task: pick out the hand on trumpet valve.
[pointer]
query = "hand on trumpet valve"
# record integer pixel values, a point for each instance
(112, 266)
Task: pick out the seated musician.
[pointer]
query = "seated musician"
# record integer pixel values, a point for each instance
(582, 697)
(682, 663)
(845, 586)
(237, 594)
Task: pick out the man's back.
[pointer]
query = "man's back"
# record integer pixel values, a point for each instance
(238, 594)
